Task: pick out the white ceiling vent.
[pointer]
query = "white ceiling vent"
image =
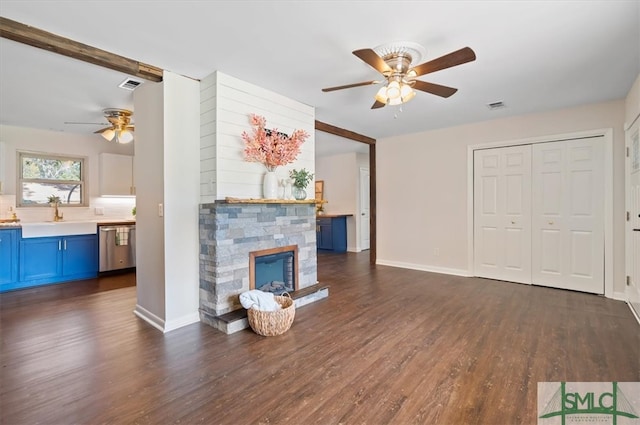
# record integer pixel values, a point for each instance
(496, 105)
(130, 84)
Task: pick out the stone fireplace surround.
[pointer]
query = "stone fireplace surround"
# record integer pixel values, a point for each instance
(230, 230)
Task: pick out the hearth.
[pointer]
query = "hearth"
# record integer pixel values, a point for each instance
(274, 270)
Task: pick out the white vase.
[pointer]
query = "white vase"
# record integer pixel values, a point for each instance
(287, 189)
(270, 185)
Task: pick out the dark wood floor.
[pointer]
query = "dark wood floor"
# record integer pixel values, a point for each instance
(389, 346)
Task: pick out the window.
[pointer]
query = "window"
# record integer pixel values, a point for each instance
(42, 175)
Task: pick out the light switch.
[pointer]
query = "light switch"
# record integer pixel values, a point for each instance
(160, 210)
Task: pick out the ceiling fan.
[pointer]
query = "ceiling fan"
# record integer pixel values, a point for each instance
(394, 61)
(119, 130)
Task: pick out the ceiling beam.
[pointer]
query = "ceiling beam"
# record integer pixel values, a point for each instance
(35, 37)
(331, 129)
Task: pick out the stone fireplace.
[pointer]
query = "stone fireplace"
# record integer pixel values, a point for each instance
(231, 231)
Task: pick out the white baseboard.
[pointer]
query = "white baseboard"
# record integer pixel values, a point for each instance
(424, 268)
(620, 296)
(149, 317)
(634, 313)
(185, 320)
(162, 325)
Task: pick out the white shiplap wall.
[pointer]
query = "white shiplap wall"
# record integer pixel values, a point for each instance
(225, 106)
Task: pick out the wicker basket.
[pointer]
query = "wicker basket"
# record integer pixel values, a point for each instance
(272, 323)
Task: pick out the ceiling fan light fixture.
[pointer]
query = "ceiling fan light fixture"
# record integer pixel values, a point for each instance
(124, 136)
(393, 90)
(108, 133)
(121, 131)
(406, 92)
(381, 96)
(395, 93)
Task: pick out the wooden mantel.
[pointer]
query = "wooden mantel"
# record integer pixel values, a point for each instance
(266, 201)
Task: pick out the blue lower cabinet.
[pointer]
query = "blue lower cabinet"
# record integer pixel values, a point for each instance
(56, 259)
(80, 256)
(331, 233)
(40, 259)
(8, 257)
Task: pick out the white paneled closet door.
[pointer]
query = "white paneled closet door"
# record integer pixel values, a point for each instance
(502, 213)
(633, 224)
(568, 215)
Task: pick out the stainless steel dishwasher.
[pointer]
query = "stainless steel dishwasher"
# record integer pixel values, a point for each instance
(117, 247)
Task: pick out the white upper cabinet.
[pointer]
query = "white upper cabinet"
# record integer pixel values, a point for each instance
(116, 175)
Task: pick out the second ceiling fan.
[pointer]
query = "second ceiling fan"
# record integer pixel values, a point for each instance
(394, 61)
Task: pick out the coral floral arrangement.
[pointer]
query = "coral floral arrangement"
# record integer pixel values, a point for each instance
(270, 147)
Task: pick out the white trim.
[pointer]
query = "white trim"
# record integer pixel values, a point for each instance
(619, 296)
(633, 121)
(633, 312)
(149, 317)
(607, 134)
(185, 320)
(424, 268)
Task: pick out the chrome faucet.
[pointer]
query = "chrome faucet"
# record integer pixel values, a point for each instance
(57, 215)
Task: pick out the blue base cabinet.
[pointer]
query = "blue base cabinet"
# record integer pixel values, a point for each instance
(40, 259)
(56, 259)
(331, 233)
(8, 257)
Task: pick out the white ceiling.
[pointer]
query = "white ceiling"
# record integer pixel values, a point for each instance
(533, 55)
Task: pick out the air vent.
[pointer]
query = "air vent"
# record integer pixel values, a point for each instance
(496, 105)
(130, 84)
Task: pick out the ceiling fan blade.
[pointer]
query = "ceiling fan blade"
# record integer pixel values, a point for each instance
(348, 86)
(437, 89)
(102, 130)
(458, 57)
(86, 123)
(377, 105)
(373, 60)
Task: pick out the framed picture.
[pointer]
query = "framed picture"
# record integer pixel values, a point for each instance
(319, 190)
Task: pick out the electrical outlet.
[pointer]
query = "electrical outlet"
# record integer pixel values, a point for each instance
(99, 211)
(436, 252)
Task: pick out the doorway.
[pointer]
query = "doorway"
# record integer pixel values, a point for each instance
(364, 213)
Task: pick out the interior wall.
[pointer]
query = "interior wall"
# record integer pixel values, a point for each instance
(226, 103)
(181, 199)
(422, 185)
(167, 141)
(149, 176)
(55, 142)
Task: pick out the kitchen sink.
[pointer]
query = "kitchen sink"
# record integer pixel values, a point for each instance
(58, 228)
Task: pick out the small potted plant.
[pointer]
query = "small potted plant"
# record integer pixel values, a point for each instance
(53, 200)
(300, 181)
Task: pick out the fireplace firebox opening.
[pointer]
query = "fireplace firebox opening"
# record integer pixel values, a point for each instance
(274, 270)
